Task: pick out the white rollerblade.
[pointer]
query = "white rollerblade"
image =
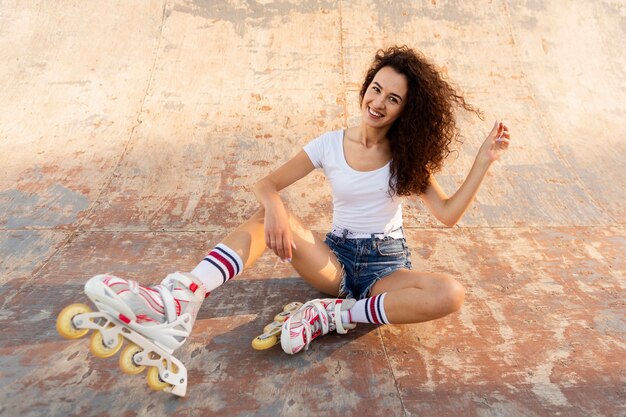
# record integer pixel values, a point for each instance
(271, 332)
(156, 321)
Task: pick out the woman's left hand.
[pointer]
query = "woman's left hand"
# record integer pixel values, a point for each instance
(496, 144)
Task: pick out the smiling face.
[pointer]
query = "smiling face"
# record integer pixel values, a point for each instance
(384, 98)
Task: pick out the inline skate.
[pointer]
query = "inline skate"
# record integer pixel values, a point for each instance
(155, 320)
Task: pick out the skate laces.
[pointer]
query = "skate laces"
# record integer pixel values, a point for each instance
(320, 324)
(326, 320)
(170, 304)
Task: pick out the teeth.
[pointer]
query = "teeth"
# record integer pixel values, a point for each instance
(374, 113)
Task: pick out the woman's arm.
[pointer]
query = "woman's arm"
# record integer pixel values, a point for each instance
(449, 210)
(277, 230)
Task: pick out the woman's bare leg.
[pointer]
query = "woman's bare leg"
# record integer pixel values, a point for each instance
(248, 240)
(414, 297)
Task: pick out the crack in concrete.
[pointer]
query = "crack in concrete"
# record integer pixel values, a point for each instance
(393, 374)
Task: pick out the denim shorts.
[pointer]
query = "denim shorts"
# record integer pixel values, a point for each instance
(366, 261)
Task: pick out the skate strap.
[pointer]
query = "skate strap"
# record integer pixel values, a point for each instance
(338, 323)
(323, 315)
(323, 318)
(328, 318)
(169, 304)
(183, 279)
(133, 286)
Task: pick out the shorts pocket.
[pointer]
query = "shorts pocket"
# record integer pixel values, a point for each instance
(390, 247)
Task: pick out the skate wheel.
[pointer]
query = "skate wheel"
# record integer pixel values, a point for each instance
(99, 349)
(282, 316)
(288, 310)
(292, 307)
(273, 327)
(264, 343)
(154, 380)
(65, 326)
(127, 362)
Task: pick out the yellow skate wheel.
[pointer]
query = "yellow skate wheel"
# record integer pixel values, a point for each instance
(98, 348)
(273, 327)
(65, 326)
(282, 316)
(154, 380)
(127, 362)
(265, 343)
(292, 307)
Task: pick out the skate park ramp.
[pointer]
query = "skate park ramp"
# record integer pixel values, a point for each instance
(131, 134)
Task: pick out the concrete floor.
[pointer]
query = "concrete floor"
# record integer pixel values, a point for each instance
(131, 134)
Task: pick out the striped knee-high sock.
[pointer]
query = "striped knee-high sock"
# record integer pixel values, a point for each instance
(369, 310)
(221, 264)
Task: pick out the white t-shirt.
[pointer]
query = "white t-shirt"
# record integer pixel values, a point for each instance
(361, 201)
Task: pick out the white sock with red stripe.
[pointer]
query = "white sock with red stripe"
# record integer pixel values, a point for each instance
(220, 265)
(369, 310)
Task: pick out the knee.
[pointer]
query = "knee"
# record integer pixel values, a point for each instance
(259, 217)
(453, 294)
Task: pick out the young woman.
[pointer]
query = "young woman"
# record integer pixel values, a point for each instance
(407, 126)
(406, 131)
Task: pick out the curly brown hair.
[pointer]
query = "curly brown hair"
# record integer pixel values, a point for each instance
(421, 138)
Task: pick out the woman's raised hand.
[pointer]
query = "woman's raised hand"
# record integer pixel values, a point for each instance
(496, 143)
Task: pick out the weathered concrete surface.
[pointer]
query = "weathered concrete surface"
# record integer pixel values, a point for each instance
(131, 133)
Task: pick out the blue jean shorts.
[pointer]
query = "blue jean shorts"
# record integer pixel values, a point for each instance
(366, 261)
